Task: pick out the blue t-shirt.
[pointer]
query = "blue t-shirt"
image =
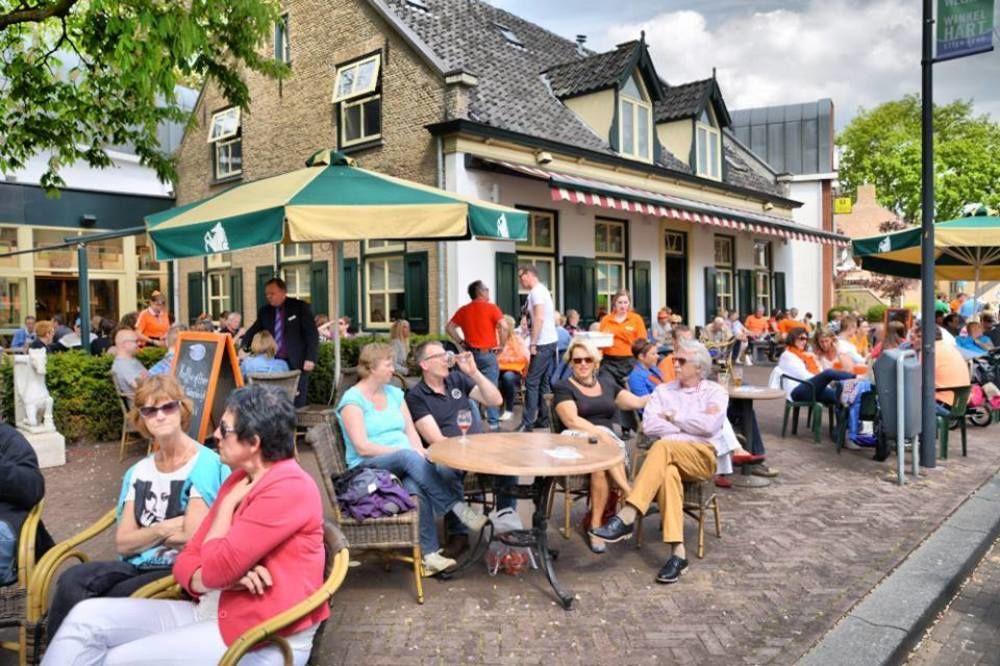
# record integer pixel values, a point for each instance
(261, 363)
(159, 496)
(967, 342)
(640, 380)
(386, 427)
(162, 367)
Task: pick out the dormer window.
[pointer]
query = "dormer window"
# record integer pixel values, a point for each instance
(635, 121)
(709, 147)
(510, 36)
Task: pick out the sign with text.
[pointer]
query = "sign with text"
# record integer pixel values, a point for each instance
(208, 369)
(964, 28)
(842, 206)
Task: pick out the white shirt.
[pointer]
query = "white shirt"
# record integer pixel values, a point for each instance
(845, 346)
(539, 295)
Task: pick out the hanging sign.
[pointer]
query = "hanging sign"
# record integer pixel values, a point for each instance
(964, 28)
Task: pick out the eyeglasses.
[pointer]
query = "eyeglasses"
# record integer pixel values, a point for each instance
(225, 430)
(582, 359)
(167, 408)
(679, 360)
(802, 337)
(449, 357)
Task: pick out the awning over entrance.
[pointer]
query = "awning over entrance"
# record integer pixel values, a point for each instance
(589, 192)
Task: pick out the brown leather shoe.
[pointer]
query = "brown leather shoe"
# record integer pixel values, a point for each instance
(456, 545)
(763, 470)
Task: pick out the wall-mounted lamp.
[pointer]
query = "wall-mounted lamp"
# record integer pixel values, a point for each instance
(88, 220)
(768, 205)
(543, 157)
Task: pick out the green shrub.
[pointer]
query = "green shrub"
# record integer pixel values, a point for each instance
(836, 308)
(876, 313)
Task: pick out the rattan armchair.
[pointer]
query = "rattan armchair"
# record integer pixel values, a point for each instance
(315, 414)
(130, 434)
(387, 535)
(16, 598)
(287, 381)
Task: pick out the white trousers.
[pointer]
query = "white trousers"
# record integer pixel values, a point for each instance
(152, 631)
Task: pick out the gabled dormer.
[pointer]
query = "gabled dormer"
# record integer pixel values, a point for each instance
(615, 94)
(689, 123)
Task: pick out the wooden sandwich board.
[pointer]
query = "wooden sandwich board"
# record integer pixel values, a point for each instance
(207, 367)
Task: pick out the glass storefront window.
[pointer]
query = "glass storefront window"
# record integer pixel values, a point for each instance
(8, 243)
(62, 259)
(12, 294)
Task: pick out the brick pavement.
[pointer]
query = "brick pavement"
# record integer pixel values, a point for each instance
(968, 631)
(793, 559)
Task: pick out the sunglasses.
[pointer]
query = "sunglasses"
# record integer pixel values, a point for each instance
(802, 337)
(225, 430)
(582, 359)
(167, 408)
(679, 360)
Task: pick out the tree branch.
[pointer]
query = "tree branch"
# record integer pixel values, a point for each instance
(58, 8)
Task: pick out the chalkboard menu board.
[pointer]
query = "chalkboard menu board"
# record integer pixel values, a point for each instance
(207, 367)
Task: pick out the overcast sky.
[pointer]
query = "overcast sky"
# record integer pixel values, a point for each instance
(856, 52)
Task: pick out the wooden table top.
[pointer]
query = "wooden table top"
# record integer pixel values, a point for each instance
(525, 454)
(752, 392)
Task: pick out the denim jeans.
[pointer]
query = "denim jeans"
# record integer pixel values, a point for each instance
(537, 384)
(821, 383)
(439, 488)
(8, 554)
(486, 361)
(111, 578)
(510, 381)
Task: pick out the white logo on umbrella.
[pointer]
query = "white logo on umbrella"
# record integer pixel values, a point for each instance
(502, 230)
(885, 244)
(216, 240)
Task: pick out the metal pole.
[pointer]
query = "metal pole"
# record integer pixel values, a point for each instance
(81, 260)
(928, 429)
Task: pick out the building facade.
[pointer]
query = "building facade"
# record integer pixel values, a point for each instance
(630, 182)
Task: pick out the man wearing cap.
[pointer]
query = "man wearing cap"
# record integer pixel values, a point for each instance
(659, 331)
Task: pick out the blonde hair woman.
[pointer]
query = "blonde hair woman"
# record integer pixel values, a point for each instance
(263, 348)
(399, 337)
(586, 404)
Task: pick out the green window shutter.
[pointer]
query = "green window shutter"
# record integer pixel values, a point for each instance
(641, 291)
(505, 295)
(262, 275)
(349, 290)
(196, 304)
(779, 290)
(710, 293)
(580, 287)
(415, 297)
(745, 284)
(319, 287)
(236, 290)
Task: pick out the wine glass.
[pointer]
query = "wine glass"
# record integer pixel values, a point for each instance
(464, 422)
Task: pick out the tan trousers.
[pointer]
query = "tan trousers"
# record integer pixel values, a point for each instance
(667, 465)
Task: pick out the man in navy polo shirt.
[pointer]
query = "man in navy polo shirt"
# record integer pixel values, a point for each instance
(435, 403)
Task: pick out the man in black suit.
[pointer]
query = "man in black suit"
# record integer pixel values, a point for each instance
(291, 323)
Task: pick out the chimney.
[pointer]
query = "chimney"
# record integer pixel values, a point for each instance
(580, 41)
(866, 195)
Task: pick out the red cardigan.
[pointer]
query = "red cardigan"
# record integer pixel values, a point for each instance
(280, 525)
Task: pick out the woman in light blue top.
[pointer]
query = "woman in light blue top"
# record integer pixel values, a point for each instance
(379, 433)
(261, 359)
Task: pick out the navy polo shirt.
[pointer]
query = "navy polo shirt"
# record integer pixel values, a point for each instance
(423, 400)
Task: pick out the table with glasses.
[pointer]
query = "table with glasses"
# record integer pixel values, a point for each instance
(742, 398)
(542, 456)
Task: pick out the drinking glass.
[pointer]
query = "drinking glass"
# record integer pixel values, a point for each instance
(464, 422)
(737, 376)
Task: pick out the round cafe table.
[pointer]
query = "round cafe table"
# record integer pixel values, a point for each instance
(742, 398)
(543, 456)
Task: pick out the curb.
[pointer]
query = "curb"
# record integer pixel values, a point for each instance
(891, 620)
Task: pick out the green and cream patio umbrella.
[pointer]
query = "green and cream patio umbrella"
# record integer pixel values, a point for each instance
(965, 249)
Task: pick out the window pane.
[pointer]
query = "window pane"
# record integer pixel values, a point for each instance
(345, 82)
(352, 123)
(615, 278)
(105, 255)
(395, 274)
(702, 148)
(543, 232)
(396, 306)
(373, 117)
(600, 238)
(632, 88)
(602, 277)
(628, 127)
(292, 281)
(643, 131)
(545, 272)
(225, 124)
(713, 155)
(8, 243)
(365, 76)
(616, 239)
(64, 258)
(145, 287)
(376, 309)
(376, 276)
(12, 291)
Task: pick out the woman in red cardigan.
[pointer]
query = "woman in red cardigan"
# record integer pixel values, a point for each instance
(257, 553)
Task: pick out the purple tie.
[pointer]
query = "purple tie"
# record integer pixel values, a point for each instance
(279, 330)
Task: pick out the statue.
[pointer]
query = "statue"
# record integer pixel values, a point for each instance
(31, 393)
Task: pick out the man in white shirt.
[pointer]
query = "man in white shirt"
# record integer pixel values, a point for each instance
(542, 345)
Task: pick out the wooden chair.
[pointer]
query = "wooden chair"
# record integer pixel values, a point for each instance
(814, 410)
(386, 535)
(16, 598)
(722, 355)
(130, 434)
(287, 381)
(572, 487)
(956, 417)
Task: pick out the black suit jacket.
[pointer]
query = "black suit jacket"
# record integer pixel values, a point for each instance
(301, 336)
(22, 485)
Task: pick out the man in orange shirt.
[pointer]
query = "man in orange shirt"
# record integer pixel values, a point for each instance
(790, 321)
(756, 324)
(956, 304)
(480, 323)
(950, 371)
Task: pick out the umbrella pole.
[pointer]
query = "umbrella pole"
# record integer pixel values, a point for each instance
(337, 249)
(928, 417)
(975, 294)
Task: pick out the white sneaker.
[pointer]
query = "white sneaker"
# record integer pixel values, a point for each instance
(506, 416)
(747, 362)
(469, 516)
(435, 563)
(850, 445)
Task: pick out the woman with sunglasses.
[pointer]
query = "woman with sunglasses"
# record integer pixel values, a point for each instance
(163, 500)
(808, 380)
(586, 404)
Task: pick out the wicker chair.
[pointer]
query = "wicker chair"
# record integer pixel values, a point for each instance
(385, 535)
(15, 598)
(572, 487)
(130, 434)
(287, 381)
(316, 414)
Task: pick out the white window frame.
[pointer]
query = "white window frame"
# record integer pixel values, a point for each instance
(302, 276)
(708, 160)
(535, 260)
(223, 297)
(384, 246)
(355, 66)
(609, 291)
(681, 239)
(634, 107)
(608, 224)
(386, 291)
(225, 124)
(530, 246)
(294, 252)
(605, 259)
(219, 260)
(362, 138)
(282, 46)
(221, 146)
(763, 273)
(725, 268)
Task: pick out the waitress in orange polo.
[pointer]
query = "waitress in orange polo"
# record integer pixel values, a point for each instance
(153, 322)
(626, 327)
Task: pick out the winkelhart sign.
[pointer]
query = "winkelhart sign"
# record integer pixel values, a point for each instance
(964, 27)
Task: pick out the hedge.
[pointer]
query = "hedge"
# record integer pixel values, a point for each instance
(876, 313)
(85, 405)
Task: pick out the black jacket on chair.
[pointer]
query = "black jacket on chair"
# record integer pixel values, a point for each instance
(22, 485)
(301, 336)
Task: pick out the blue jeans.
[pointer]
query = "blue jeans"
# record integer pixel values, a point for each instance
(439, 488)
(821, 384)
(486, 361)
(8, 554)
(510, 381)
(537, 384)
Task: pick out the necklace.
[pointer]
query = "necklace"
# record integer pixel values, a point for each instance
(591, 384)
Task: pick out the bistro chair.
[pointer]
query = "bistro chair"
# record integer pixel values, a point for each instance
(130, 434)
(955, 418)
(572, 487)
(17, 598)
(387, 535)
(317, 414)
(814, 410)
(287, 381)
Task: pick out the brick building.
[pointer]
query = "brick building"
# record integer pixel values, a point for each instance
(630, 181)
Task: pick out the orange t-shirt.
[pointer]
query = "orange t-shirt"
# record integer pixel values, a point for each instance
(955, 305)
(950, 370)
(153, 326)
(514, 356)
(624, 332)
(756, 325)
(478, 321)
(785, 326)
(666, 367)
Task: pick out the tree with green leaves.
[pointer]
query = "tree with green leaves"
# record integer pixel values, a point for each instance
(881, 146)
(80, 76)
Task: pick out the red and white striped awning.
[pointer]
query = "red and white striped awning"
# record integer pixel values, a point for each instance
(588, 192)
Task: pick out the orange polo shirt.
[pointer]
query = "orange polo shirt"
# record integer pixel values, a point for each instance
(153, 326)
(756, 325)
(785, 326)
(950, 370)
(624, 332)
(666, 367)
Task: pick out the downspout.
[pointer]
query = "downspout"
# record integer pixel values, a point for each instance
(440, 245)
